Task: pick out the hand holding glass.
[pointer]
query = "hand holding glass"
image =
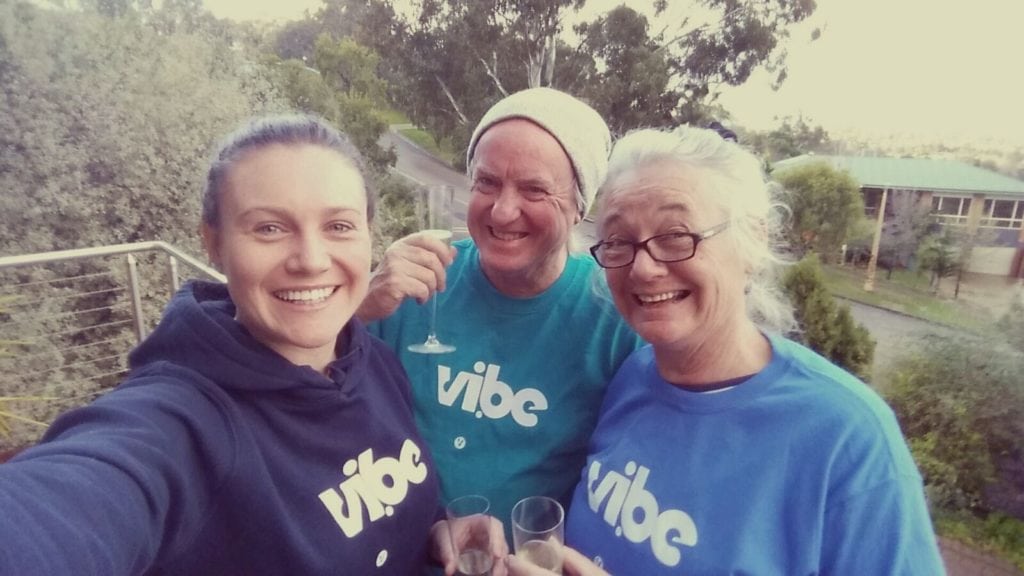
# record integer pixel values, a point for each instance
(538, 532)
(434, 214)
(469, 528)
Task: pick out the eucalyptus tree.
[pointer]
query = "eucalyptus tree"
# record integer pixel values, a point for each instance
(449, 60)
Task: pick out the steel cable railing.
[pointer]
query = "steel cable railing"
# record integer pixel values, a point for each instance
(68, 320)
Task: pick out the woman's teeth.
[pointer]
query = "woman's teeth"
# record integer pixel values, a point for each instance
(664, 296)
(304, 295)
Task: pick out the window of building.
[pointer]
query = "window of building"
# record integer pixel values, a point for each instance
(951, 209)
(998, 213)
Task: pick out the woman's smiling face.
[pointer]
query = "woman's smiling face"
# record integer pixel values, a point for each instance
(672, 304)
(294, 243)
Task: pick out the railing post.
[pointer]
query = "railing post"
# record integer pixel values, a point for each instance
(133, 286)
(172, 269)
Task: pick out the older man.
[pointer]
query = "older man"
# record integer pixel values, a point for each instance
(508, 414)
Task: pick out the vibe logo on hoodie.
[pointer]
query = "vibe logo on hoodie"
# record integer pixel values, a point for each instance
(634, 513)
(375, 486)
(483, 394)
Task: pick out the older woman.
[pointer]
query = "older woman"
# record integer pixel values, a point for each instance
(723, 447)
(262, 429)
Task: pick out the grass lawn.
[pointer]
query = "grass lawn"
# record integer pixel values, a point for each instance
(392, 116)
(425, 140)
(906, 292)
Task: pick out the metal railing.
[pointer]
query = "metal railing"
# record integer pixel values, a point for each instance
(68, 320)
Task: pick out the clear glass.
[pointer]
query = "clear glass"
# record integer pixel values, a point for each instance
(469, 527)
(538, 532)
(434, 215)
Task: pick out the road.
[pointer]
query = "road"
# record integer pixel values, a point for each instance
(894, 333)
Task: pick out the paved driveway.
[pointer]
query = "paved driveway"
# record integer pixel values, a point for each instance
(894, 333)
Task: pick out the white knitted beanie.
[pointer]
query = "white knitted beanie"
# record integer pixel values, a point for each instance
(580, 130)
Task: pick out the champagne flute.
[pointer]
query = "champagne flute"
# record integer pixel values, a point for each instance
(538, 531)
(469, 529)
(434, 213)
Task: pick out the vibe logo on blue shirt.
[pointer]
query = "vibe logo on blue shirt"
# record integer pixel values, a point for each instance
(483, 394)
(624, 496)
(379, 485)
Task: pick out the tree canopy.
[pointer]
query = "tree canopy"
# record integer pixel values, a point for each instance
(106, 125)
(451, 59)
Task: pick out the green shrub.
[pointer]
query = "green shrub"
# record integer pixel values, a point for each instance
(1012, 324)
(960, 404)
(827, 327)
(826, 206)
(997, 533)
(395, 212)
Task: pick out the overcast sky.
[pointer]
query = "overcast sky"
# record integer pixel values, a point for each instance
(929, 69)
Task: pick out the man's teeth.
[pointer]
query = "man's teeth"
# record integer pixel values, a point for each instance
(508, 236)
(655, 298)
(305, 295)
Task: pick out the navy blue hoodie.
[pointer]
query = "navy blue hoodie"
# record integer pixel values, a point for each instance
(217, 456)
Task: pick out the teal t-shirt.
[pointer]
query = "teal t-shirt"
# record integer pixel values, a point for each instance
(508, 414)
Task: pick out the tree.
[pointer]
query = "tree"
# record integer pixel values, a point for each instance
(526, 29)
(350, 68)
(827, 327)
(790, 139)
(455, 58)
(105, 127)
(740, 36)
(296, 40)
(344, 87)
(370, 23)
(629, 82)
(940, 254)
(826, 205)
(908, 221)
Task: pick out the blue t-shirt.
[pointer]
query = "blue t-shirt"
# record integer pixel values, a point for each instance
(801, 469)
(508, 414)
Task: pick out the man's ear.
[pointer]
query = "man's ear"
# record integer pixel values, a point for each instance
(211, 244)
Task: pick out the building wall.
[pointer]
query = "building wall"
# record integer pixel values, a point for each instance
(992, 260)
(998, 251)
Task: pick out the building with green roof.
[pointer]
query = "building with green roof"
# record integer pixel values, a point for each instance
(960, 195)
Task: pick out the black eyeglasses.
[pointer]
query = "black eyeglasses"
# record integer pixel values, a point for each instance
(671, 247)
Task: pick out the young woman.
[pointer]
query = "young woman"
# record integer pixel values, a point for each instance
(262, 429)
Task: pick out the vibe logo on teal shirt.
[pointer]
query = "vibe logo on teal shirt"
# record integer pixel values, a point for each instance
(483, 394)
